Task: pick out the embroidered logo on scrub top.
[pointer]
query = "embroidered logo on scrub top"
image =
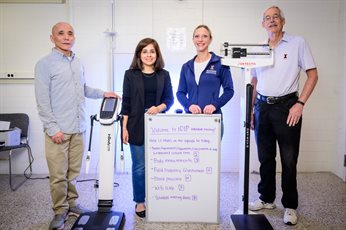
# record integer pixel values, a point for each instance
(285, 56)
(211, 70)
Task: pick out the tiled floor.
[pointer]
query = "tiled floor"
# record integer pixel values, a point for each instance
(322, 204)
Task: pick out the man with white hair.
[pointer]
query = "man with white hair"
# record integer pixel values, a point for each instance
(278, 109)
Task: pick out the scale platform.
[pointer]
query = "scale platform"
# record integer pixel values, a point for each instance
(251, 222)
(100, 221)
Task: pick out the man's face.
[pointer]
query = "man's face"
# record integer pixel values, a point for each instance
(63, 37)
(272, 21)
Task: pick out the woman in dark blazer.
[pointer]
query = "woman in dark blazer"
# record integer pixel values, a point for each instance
(147, 88)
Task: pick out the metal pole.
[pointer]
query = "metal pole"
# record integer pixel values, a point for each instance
(249, 92)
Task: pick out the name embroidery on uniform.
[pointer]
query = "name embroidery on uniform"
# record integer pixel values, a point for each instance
(211, 70)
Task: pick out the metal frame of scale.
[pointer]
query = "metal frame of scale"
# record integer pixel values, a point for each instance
(246, 57)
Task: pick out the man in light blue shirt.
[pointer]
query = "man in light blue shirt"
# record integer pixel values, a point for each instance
(60, 90)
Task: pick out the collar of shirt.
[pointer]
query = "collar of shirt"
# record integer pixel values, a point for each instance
(285, 38)
(59, 54)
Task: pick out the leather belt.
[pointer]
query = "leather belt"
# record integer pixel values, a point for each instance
(275, 100)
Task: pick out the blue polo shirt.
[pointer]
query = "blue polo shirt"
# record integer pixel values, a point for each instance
(290, 57)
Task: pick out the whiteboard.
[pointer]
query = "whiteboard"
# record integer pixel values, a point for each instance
(182, 167)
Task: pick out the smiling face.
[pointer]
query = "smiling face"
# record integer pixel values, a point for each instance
(273, 21)
(201, 39)
(63, 37)
(148, 57)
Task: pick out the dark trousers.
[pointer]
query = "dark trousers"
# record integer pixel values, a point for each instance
(270, 129)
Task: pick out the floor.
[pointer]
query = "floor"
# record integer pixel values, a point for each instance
(322, 203)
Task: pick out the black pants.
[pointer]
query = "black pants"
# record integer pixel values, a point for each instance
(271, 128)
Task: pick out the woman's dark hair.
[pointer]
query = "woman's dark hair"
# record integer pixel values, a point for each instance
(137, 62)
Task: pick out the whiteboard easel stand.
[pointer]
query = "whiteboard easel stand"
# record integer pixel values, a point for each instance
(239, 59)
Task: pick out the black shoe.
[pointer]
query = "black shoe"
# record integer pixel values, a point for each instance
(141, 214)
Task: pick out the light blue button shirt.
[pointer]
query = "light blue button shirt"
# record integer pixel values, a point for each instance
(290, 57)
(60, 91)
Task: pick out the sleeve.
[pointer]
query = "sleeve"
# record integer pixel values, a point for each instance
(306, 60)
(253, 72)
(227, 85)
(168, 98)
(182, 90)
(43, 99)
(93, 93)
(126, 98)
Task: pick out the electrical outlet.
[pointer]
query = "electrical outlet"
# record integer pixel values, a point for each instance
(16, 75)
(9, 75)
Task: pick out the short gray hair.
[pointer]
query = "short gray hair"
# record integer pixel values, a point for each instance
(281, 13)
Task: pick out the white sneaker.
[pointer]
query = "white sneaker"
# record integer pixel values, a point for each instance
(290, 216)
(259, 204)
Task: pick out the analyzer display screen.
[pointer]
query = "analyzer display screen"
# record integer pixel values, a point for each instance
(108, 108)
(109, 104)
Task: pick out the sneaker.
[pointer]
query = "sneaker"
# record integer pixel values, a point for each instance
(58, 221)
(78, 210)
(259, 204)
(290, 216)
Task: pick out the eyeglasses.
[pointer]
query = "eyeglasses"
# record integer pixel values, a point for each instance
(275, 17)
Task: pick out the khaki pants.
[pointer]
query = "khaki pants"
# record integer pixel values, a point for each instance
(64, 164)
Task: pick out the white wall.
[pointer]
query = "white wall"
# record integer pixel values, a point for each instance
(341, 146)
(323, 142)
(24, 38)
